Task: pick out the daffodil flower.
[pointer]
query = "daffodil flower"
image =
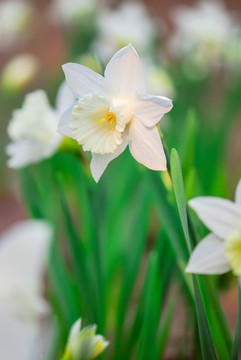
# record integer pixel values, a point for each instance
(113, 111)
(23, 308)
(84, 344)
(219, 251)
(33, 128)
(203, 39)
(112, 35)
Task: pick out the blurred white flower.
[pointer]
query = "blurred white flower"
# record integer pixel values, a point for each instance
(130, 23)
(219, 251)
(206, 29)
(23, 253)
(33, 128)
(114, 111)
(19, 71)
(67, 11)
(158, 79)
(84, 344)
(15, 17)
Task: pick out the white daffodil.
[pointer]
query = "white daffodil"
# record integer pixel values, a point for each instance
(114, 111)
(19, 72)
(67, 11)
(197, 34)
(219, 251)
(33, 128)
(23, 252)
(129, 23)
(15, 17)
(84, 344)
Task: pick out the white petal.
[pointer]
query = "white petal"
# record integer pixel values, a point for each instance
(208, 257)
(238, 193)
(83, 80)
(64, 98)
(23, 251)
(24, 152)
(146, 146)
(28, 151)
(99, 162)
(18, 338)
(150, 109)
(221, 216)
(63, 126)
(125, 73)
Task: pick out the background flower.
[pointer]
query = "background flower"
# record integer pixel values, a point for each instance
(33, 129)
(219, 251)
(23, 251)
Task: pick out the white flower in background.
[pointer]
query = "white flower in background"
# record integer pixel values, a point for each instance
(15, 17)
(206, 29)
(129, 23)
(23, 253)
(33, 128)
(219, 251)
(67, 11)
(84, 344)
(19, 71)
(114, 111)
(158, 79)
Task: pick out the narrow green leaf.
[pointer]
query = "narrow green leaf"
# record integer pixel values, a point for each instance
(77, 253)
(207, 347)
(178, 186)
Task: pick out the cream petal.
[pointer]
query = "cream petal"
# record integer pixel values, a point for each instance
(99, 162)
(150, 109)
(125, 73)
(83, 80)
(208, 257)
(146, 146)
(90, 128)
(238, 193)
(221, 216)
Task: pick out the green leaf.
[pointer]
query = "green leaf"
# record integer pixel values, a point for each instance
(209, 312)
(207, 347)
(178, 186)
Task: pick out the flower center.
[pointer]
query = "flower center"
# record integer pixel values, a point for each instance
(98, 123)
(233, 251)
(110, 117)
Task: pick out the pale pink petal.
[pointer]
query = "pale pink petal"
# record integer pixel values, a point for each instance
(146, 146)
(83, 80)
(125, 73)
(64, 98)
(150, 109)
(99, 162)
(63, 126)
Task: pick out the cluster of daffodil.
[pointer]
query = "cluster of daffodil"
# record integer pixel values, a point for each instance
(113, 240)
